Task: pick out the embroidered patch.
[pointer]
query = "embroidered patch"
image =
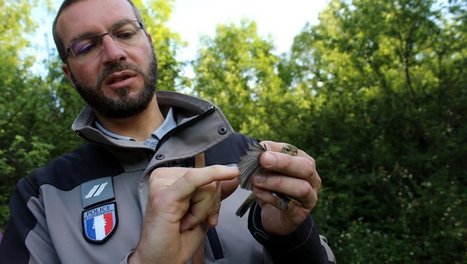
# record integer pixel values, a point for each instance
(97, 191)
(99, 223)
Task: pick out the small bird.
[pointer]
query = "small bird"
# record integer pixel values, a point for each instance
(249, 165)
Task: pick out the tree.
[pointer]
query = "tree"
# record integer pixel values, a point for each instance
(19, 147)
(238, 71)
(156, 13)
(386, 120)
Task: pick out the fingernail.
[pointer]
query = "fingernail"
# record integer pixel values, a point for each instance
(213, 220)
(259, 178)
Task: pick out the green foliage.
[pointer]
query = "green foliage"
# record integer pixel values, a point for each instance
(156, 13)
(237, 71)
(387, 124)
(15, 22)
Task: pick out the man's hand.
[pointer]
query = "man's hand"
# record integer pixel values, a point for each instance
(293, 176)
(182, 204)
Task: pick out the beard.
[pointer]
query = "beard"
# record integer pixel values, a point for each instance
(123, 106)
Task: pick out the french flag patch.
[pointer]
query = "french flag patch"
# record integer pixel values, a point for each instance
(100, 222)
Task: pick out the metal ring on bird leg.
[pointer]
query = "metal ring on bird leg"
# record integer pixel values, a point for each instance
(279, 203)
(283, 202)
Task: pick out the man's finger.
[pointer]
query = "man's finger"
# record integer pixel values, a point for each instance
(184, 187)
(203, 203)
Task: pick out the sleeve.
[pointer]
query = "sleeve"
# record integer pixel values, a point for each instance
(126, 258)
(26, 238)
(304, 245)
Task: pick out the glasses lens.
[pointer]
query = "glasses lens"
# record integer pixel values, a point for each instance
(123, 33)
(84, 46)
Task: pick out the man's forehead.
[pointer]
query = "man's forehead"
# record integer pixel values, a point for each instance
(92, 15)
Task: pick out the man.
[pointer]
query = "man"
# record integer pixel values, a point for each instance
(147, 187)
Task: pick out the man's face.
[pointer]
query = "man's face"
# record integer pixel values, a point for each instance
(119, 80)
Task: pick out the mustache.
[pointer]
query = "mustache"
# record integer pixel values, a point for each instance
(116, 67)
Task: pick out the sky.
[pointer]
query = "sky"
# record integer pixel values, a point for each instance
(281, 20)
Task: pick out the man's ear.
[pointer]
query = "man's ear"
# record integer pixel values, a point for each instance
(67, 73)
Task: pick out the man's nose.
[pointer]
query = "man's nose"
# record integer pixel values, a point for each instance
(111, 50)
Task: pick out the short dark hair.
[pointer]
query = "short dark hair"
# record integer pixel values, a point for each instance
(65, 4)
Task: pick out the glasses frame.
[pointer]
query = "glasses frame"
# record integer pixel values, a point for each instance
(69, 51)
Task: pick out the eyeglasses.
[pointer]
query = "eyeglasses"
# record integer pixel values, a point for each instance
(124, 33)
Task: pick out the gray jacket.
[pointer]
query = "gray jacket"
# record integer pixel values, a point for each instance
(88, 206)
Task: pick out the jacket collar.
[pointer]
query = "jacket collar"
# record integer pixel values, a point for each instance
(187, 108)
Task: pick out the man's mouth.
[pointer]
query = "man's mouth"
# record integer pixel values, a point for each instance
(120, 77)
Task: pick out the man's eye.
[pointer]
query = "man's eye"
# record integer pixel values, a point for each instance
(83, 47)
(126, 34)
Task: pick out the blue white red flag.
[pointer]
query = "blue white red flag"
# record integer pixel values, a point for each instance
(100, 222)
